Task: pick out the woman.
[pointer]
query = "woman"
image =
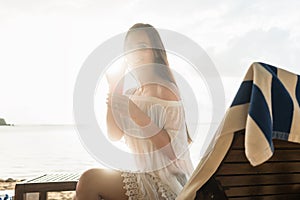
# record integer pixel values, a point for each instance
(162, 139)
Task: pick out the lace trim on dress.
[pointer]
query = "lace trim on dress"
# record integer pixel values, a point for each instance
(133, 190)
(131, 186)
(163, 189)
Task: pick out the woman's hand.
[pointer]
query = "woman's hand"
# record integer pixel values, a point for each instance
(115, 79)
(122, 105)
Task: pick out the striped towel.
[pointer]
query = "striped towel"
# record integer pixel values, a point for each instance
(267, 106)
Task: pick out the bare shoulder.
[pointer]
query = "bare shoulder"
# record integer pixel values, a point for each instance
(170, 94)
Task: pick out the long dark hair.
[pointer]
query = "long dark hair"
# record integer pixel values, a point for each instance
(160, 55)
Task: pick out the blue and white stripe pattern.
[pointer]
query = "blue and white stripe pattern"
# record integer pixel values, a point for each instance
(273, 97)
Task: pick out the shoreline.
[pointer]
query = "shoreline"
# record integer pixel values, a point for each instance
(8, 186)
(9, 183)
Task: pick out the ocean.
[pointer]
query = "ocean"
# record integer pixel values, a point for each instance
(27, 151)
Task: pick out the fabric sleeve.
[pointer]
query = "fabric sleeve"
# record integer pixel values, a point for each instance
(175, 126)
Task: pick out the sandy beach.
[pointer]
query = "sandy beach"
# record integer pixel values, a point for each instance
(10, 185)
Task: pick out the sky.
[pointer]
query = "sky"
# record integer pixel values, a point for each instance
(43, 44)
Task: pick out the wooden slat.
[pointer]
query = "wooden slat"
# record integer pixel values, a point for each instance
(277, 167)
(285, 144)
(269, 197)
(244, 180)
(239, 139)
(50, 187)
(55, 178)
(263, 190)
(279, 155)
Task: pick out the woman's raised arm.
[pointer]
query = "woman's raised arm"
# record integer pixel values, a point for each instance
(115, 81)
(113, 130)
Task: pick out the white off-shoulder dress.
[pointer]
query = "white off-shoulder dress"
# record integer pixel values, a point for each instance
(169, 175)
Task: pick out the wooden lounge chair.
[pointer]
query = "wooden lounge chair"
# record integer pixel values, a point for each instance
(236, 179)
(46, 183)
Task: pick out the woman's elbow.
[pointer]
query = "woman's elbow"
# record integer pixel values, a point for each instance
(114, 138)
(114, 135)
